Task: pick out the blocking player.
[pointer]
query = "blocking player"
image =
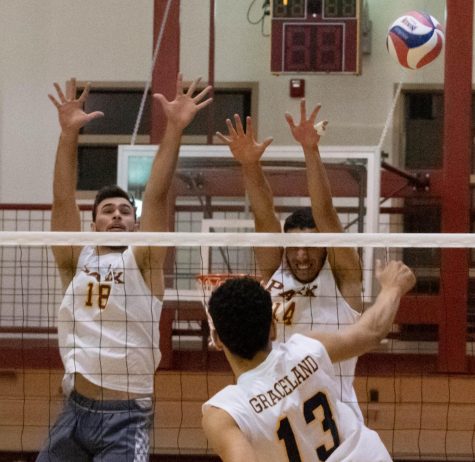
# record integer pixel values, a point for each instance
(108, 329)
(312, 288)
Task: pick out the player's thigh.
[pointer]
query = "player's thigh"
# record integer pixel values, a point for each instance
(126, 437)
(61, 444)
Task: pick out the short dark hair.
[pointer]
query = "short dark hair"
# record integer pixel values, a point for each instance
(300, 219)
(111, 191)
(241, 310)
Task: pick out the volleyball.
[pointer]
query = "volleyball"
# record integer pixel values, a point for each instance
(415, 39)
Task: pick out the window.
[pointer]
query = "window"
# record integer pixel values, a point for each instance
(120, 102)
(424, 123)
(98, 140)
(120, 107)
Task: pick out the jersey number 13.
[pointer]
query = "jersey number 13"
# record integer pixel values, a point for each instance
(286, 433)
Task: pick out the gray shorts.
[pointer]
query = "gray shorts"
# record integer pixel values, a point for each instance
(106, 431)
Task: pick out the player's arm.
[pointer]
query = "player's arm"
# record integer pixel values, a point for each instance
(179, 113)
(248, 152)
(65, 213)
(396, 279)
(225, 436)
(344, 262)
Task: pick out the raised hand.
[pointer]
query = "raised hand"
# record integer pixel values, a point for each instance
(243, 145)
(306, 132)
(70, 109)
(395, 275)
(181, 111)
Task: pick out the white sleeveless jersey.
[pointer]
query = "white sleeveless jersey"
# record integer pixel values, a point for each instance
(108, 323)
(289, 410)
(319, 306)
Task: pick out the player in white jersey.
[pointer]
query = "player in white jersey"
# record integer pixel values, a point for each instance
(108, 324)
(108, 321)
(318, 306)
(285, 406)
(312, 288)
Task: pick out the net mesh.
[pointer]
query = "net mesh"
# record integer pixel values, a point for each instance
(416, 390)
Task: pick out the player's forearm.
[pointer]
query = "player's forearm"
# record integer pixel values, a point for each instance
(164, 165)
(377, 321)
(65, 169)
(319, 189)
(261, 198)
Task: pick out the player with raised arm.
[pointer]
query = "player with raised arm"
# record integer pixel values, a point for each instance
(108, 322)
(312, 288)
(285, 405)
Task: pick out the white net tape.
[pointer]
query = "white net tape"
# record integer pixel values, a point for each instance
(172, 239)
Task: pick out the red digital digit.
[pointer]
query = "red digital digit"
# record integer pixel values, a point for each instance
(298, 49)
(348, 8)
(315, 36)
(329, 48)
(313, 48)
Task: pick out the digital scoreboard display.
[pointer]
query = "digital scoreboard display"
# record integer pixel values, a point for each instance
(315, 36)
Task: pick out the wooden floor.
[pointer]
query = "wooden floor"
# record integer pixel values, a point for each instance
(30, 457)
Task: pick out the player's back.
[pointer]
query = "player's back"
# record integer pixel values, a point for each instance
(288, 409)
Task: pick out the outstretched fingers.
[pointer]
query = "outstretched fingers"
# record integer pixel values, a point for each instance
(231, 130)
(267, 142)
(202, 94)
(60, 93)
(69, 94)
(223, 138)
(249, 127)
(239, 127)
(313, 115)
(161, 98)
(204, 103)
(179, 84)
(303, 110)
(54, 101)
(85, 93)
(290, 120)
(94, 115)
(71, 89)
(192, 87)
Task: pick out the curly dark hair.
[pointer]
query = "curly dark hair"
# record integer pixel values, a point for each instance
(241, 310)
(300, 219)
(111, 191)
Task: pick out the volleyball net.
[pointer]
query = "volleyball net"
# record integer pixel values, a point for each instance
(416, 390)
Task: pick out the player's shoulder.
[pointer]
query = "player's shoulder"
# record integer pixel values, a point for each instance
(302, 343)
(228, 399)
(301, 339)
(87, 252)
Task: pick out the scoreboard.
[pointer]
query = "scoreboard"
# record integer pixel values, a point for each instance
(315, 36)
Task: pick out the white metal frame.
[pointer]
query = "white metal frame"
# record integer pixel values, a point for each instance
(369, 154)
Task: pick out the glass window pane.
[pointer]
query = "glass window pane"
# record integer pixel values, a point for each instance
(120, 108)
(97, 167)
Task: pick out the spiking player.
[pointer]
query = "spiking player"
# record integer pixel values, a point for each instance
(285, 405)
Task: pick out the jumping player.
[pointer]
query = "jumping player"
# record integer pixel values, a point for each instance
(108, 329)
(285, 405)
(312, 288)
